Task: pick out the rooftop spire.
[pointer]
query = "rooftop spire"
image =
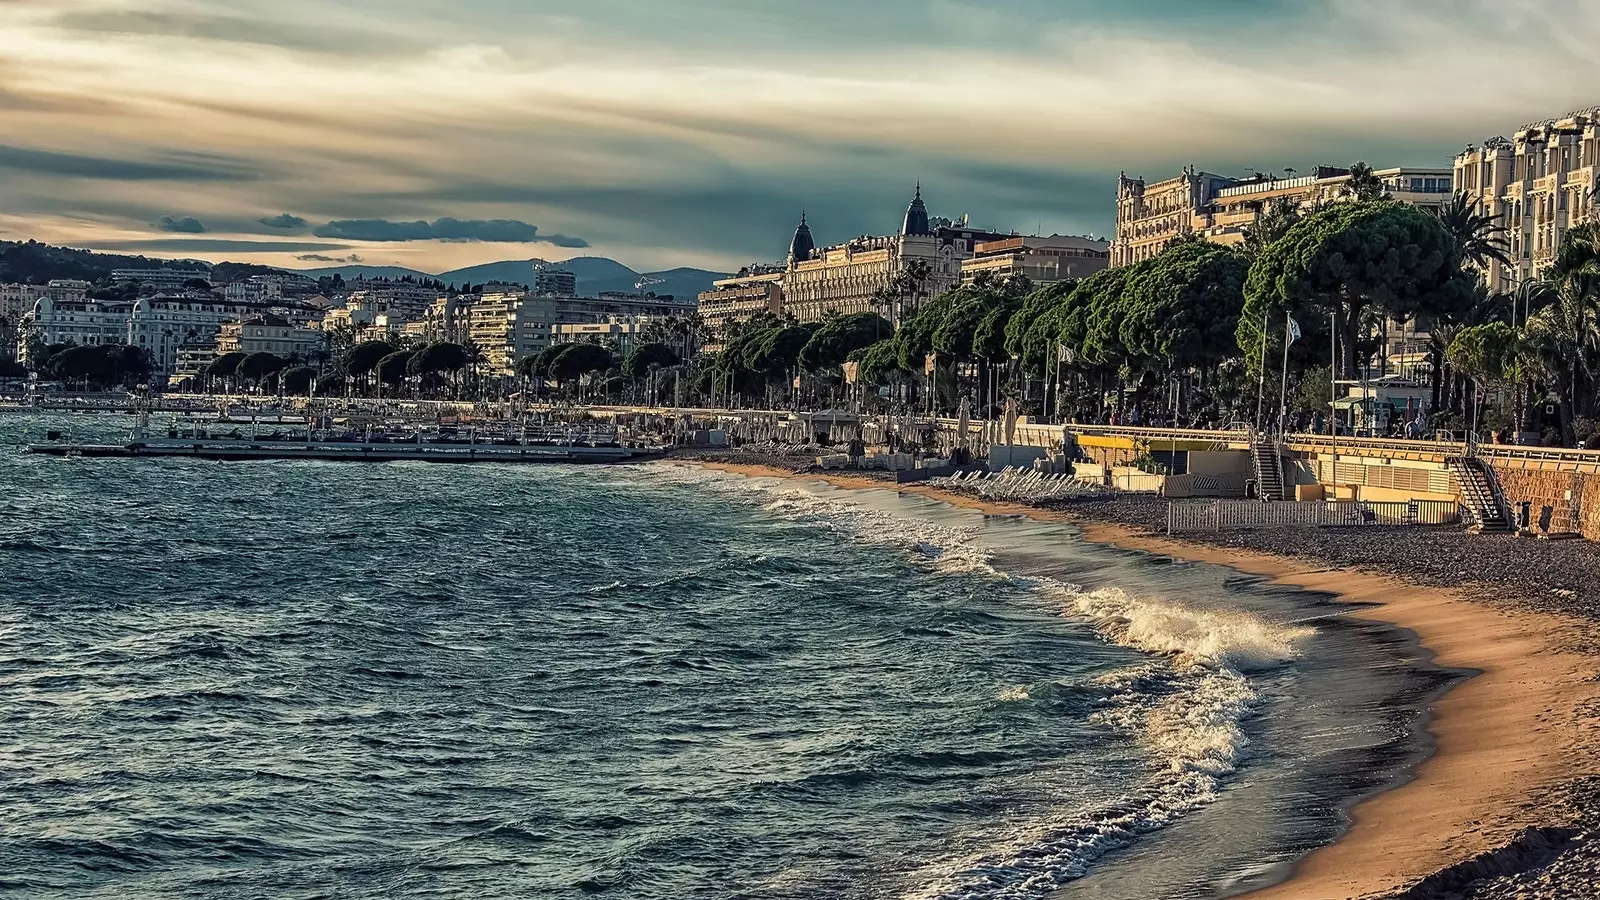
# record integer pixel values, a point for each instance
(802, 247)
(916, 222)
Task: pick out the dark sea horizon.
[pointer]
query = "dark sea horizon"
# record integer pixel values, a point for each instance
(303, 679)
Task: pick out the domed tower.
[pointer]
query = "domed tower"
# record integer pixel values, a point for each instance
(916, 216)
(802, 247)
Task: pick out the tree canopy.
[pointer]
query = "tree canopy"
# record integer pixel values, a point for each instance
(391, 368)
(1344, 259)
(257, 366)
(641, 359)
(839, 336)
(577, 360)
(226, 365)
(365, 356)
(441, 356)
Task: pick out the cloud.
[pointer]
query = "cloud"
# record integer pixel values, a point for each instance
(318, 257)
(179, 167)
(498, 231)
(217, 245)
(238, 29)
(185, 225)
(284, 221)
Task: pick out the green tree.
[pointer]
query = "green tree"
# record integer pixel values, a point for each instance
(839, 336)
(298, 380)
(1344, 260)
(877, 362)
(645, 357)
(441, 356)
(391, 369)
(225, 365)
(968, 307)
(778, 350)
(1185, 308)
(256, 366)
(577, 360)
(1315, 391)
(364, 357)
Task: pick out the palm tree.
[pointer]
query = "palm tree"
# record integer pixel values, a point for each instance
(1275, 221)
(1479, 239)
(910, 284)
(1565, 335)
(1364, 184)
(475, 358)
(1482, 309)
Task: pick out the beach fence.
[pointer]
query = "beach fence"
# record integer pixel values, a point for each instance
(1223, 515)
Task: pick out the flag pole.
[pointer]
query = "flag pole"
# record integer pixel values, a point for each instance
(1261, 379)
(1333, 392)
(1288, 338)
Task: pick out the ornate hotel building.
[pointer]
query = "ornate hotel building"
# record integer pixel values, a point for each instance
(1221, 209)
(1541, 182)
(849, 277)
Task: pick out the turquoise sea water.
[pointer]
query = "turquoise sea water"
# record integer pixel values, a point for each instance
(326, 680)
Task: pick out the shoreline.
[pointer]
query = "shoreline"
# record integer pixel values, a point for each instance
(1517, 728)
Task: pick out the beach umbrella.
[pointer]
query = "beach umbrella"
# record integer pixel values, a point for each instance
(1011, 421)
(963, 421)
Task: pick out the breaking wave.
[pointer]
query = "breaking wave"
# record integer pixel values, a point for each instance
(1189, 706)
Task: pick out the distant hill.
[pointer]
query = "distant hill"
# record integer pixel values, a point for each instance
(349, 272)
(594, 273)
(37, 263)
(30, 262)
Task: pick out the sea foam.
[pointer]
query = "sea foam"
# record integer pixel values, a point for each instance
(1189, 705)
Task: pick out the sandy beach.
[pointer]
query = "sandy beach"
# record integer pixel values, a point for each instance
(1524, 723)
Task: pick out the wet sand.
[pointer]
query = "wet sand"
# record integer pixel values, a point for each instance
(1525, 723)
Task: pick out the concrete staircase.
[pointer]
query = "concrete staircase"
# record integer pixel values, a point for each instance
(1479, 494)
(1268, 466)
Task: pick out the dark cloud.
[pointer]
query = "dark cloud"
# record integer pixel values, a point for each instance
(320, 257)
(284, 221)
(496, 231)
(318, 38)
(184, 225)
(193, 167)
(213, 245)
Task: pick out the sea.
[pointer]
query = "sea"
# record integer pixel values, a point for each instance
(335, 680)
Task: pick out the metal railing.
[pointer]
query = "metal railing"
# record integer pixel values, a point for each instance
(1224, 515)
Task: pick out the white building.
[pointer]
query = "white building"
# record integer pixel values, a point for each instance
(165, 322)
(269, 333)
(556, 282)
(161, 279)
(256, 289)
(68, 290)
(1042, 260)
(405, 299)
(82, 321)
(620, 332)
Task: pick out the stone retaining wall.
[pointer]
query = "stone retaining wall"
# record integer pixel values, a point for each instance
(1574, 506)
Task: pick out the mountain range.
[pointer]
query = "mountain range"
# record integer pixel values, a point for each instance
(594, 274)
(35, 263)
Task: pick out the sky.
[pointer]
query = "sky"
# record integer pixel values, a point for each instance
(668, 133)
